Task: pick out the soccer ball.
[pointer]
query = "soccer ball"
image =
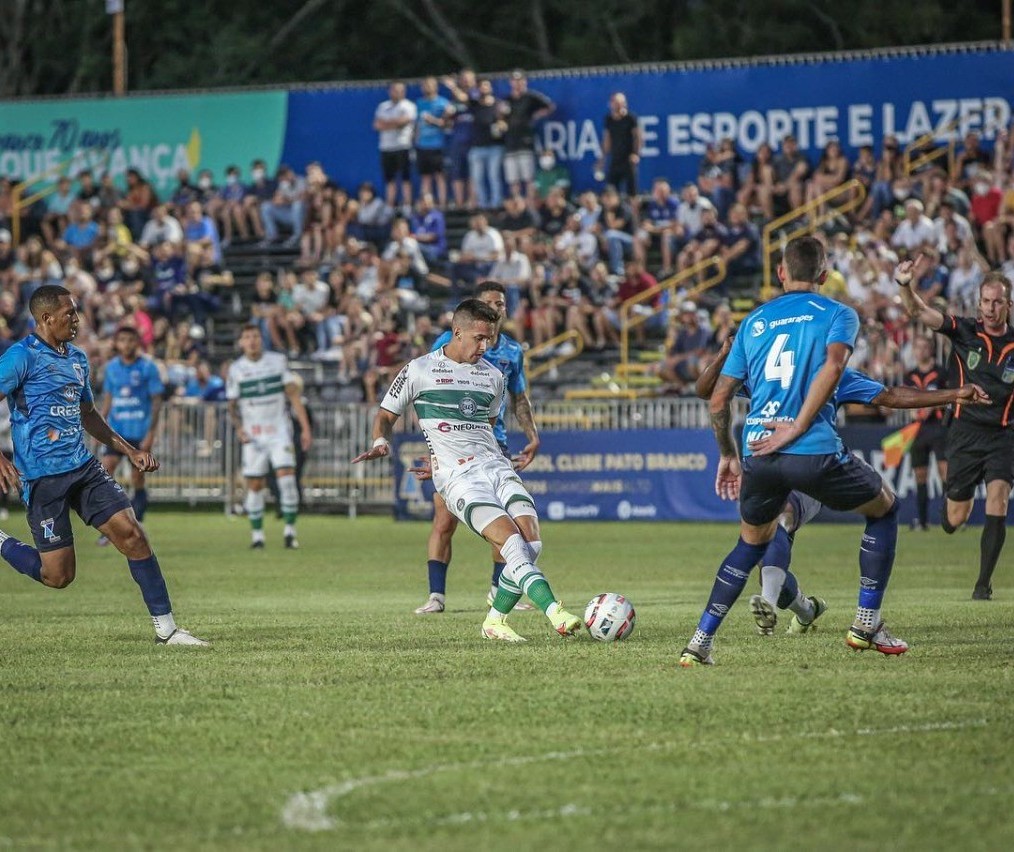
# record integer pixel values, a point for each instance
(609, 617)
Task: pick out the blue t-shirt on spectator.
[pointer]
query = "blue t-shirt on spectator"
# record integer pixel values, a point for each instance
(432, 223)
(213, 391)
(748, 261)
(168, 274)
(431, 137)
(661, 214)
(81, 234)
(205, 229)
(232, 191)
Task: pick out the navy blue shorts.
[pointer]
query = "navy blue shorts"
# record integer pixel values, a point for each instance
(89, 491)
(109, 451)
(842, 483)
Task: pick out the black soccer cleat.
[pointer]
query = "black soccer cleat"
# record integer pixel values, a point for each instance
(291, 543)
(982, 593)
(257, 545)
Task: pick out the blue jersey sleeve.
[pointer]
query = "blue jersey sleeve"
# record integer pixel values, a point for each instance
(86, 391)
(517, 381)
(155, 386)
(14, 366)
(856, 387)
(441, 341)
(735, 364)
(844, 327)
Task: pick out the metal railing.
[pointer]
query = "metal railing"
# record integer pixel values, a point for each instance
(20, 203)
(630, 320)
(923, 151)
(534, 370)
(817, 213)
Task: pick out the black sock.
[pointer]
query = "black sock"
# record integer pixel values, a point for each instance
(922, 503)
(994, 531)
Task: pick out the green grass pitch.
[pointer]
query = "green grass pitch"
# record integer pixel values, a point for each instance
(328, 716)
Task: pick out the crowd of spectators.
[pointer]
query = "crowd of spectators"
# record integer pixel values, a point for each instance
(377, 268)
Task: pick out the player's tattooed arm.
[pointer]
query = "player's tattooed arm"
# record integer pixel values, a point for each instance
(721, 414)
(705, 385)
(526, 420)
(156, 413)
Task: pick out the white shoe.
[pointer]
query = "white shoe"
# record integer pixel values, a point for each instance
(182, 637)
(433, 605)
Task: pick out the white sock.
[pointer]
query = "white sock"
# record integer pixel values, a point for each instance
(867, 619)
(290, 530)
(257, 535)
(4, 536)
(803, 607)
(165, 625)
(553, 609)
(772, 580)
(702, 642)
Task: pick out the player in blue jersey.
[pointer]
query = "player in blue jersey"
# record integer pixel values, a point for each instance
(508, 357)
(779, 587)
(45, 379)
(132, 401)
(790, 354)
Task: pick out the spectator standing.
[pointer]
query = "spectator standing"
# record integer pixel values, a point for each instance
(485, 159)
(286, 207)
(523, 108)
(621, 144)
(395, 121)
(435, 113)
(462, 124)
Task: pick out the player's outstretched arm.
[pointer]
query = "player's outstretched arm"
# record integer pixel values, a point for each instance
(904, 397)
(526, 420)
(706, 380)
(904, 274)
(383, 427)
(96, 426)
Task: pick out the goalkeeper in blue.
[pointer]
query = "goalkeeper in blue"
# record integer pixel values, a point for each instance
(779, 587)
(790, 354)
(46, 380)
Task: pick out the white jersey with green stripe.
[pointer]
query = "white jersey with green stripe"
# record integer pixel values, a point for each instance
(454, 403)
(260, 388)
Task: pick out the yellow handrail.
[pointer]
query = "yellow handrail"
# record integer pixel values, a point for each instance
(909, 165)
(537, 370)
(670, 284)
(856, 193)
(18, 203)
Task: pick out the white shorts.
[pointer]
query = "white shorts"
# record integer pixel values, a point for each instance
(261, 454)
(495, 488)
(519, 166)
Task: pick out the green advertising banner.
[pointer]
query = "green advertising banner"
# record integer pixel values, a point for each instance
(158, 136)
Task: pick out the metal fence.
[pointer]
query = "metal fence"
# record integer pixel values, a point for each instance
(200, 456)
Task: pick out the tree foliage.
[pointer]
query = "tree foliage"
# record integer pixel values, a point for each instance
(50, 47)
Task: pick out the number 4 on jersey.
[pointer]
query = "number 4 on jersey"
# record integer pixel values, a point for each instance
(780, 363)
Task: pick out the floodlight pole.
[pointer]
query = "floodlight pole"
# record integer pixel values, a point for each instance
(1005, 23)
(115, 10)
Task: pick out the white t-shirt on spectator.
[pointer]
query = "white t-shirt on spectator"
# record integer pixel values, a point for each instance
(409, 245)
(690, 216)
(400, 139)
(962, 228)
(909, 236)
(167, 231)
(483, 247)
(963, 286)
(310, 298)
(515, 271)
(584, 245)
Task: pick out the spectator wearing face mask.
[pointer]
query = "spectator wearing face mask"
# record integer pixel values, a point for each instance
(986, 199)
(260, 190)
(226, 208)
(286, 207)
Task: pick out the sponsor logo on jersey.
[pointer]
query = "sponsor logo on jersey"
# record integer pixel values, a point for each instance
(444, 381)
(758, 327)
(445, 427)
(68, 411)
(70, 393)
(973, 359)
(792, 320)
(79, 372)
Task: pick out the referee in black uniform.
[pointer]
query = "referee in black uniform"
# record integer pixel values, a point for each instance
(980, 440)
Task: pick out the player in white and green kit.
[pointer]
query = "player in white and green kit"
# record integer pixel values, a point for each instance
(258, 389)
(457, 397)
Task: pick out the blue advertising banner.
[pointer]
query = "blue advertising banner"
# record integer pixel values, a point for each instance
(654, 475)
(657, 475)
(854, 100)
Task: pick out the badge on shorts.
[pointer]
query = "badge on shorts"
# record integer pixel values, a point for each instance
(47, 529)
(461, 504)
(973, 359)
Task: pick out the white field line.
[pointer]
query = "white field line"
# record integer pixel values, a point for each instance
(308, 811)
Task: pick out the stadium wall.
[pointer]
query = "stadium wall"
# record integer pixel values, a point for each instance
(856, 98)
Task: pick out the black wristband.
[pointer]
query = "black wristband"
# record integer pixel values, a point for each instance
(896, 281)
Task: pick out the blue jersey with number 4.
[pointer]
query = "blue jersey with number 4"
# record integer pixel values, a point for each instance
(509, 358)
(778, 352)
